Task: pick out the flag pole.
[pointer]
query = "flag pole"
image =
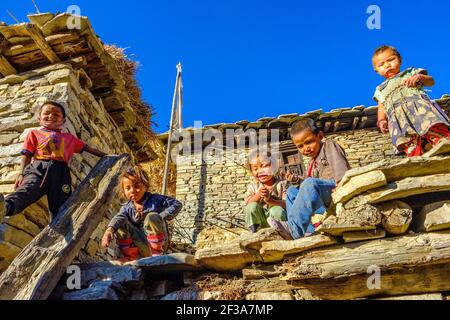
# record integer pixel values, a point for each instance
(172, 116)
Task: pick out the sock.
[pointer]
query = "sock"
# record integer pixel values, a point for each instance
(253, 228)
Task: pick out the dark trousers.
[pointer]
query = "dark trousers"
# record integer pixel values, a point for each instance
(51, 178)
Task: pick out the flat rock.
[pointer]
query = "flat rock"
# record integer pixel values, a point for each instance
(100, 290)
(276, 250)
(363, 235)
(358, 185)
(397, 216)
(333, 227)
(429, 296)
(169, 262)
(214, 236)
(8, 251)
(269, 296)
(443, 147)
(126, 276)
(14, 236)
(363, 215)
(409, 187)
(254, 241)
(435, 216)
(227, 257)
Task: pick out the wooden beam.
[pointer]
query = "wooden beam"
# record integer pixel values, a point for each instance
(402, 281)
(387, 254)
(6, 68)
(35, 272)
(37, 36)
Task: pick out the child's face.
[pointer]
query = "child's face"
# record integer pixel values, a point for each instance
(134, 190)
(51, 117)
(262, 170)
(308, 143)
(387, 64)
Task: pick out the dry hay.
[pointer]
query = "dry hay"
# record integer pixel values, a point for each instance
(229, 287)
(128, 68)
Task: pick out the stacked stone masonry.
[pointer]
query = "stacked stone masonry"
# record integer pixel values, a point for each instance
(20, 97)
(213, 193)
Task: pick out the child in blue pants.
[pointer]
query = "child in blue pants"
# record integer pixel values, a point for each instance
(313, 196)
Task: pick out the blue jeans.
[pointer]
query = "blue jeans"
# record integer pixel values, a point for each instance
(312, 197)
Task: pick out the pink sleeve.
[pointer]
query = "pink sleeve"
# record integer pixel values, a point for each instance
(79, 145)
(29, 145)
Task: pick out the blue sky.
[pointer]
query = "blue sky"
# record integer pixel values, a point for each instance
(247, 59)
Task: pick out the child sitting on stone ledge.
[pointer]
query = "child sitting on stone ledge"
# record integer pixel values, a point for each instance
(140, 225)
(266, 195)
(328, 166)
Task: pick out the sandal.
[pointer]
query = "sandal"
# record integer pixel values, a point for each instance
(281, 227)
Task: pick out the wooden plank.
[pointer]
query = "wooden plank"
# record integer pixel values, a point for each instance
(363, 235)
(427, 296)
(38, 38)
(403, 281)
(6, 68)
(35, 272)
(261, 272)
(387, 254)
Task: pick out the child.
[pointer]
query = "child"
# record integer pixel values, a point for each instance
(266, 195)
(328, 166)
(44, 167)
(141, 223)
(414, 121)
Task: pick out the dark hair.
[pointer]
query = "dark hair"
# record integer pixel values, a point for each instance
(137, 173)
(383, 48)
(55, 104)
(304, 124)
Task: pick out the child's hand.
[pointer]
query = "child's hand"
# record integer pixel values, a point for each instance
(107, 238)
(384, 126)
(292, 176)
(265, 194)
(414, 81)
(19, 181)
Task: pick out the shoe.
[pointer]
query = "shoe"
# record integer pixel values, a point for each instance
(2, 208)
(156, 244)
(128, 250)
(129, 254)
(281, 227)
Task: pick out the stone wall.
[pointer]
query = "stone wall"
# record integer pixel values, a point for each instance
(20, 96)
(214, 192)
